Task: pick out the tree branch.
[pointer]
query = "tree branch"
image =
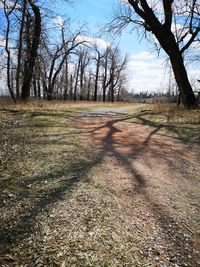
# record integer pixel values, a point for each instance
(191, 40)
(167, 5)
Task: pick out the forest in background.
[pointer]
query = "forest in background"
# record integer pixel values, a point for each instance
(44, 56)
(47, 56)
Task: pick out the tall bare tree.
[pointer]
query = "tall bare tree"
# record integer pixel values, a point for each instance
(32, 53)
(116, 69)
(159, 18)
(20, 47)
(97, 59)
(59, 57)
(8, 10)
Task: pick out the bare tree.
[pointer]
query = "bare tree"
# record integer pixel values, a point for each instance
(8, 10)
(32, 52)
(59, 57)
(98, 58)
(113, 66)
(105, 79)
(20, 46)
(159, 18)
(116, 68)
(84, 61)
(76, 74)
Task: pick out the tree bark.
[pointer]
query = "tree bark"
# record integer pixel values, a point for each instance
(105, 76)
(19, 55)
(34, 87)
(180, 74)
(30, 62)
(96, 78)
(66, 85)
(8, 51)
(168, 43)
(39, 88)
(76, 81)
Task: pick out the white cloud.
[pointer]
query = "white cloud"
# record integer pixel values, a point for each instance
(146, 72)
(144, 55)
(58, 21)
(101, 43)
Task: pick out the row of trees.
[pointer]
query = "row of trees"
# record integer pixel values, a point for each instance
(63, 65)
(72, 67)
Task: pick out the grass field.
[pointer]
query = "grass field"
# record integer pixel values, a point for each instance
(53, 213)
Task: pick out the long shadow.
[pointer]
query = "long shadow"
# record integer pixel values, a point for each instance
(46, 189)
(174, 129)
(192, 137)
(24, 223)
(162, 216)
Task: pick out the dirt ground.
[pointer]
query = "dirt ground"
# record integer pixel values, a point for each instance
(156, 180)
(115, 189)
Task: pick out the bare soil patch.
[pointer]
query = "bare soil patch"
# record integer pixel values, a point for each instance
(155, 179)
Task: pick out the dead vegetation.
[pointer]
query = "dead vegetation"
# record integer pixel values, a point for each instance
(172, 113)
(7, 104)
(168, 119)
(67, 204)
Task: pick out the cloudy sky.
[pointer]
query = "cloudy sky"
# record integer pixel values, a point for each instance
(146, 71)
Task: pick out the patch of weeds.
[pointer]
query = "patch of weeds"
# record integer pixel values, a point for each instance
(167, 119)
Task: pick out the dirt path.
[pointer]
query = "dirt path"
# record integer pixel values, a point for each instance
(155, 179)
(104, 187)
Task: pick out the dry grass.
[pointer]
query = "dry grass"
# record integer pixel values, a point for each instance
(52, 214)
(168, 119)
(172, 113)
(6, 103)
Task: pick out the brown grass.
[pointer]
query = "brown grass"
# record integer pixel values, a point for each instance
(56, 209)
(172, 113)
(6, 103)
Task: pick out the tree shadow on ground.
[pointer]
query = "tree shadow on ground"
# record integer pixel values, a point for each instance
(65, 179)
(62, 182)
(184, 132)
(173, 232)
(29, 196)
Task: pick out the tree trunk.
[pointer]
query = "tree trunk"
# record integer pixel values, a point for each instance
(77, 76)
(186, 92)
(30, 62)
(66, 85)
(71, 87)
(88, 89)
(168, 42)
(19, 55)
(112, 97)
(44, 88)
(39, 88)
(8, 52)
(34, 87)
(96, 78)
(49, 93)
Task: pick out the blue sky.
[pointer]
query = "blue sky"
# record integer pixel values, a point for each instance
(95, 13)
(145, 70)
